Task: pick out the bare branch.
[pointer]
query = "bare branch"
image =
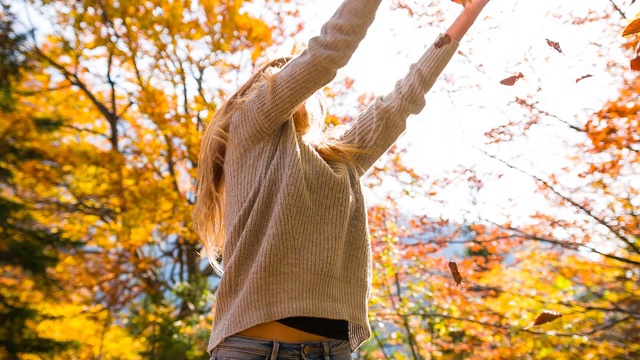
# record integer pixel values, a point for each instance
(533, 107)
(569, 200)
(619, 10)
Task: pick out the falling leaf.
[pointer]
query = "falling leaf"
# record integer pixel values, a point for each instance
(545, 316)
(583, 77)
(632, 28)
(442, 41)
(555, 45)
(454, 271)
(511, 80)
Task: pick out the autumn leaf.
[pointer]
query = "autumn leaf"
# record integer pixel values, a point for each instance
(583, 77)
(546, 316)
(511, 80)
(632, 28)
(442, 41)
(454, 271)
(554, 45)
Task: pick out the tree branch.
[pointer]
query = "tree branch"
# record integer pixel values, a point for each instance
(380, 345)
(112, 118)
(596, 329)
(533, 107)
(94, 132)
(412, 343)
(619, 10)
(569, 200)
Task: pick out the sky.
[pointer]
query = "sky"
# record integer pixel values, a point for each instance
(468, 100)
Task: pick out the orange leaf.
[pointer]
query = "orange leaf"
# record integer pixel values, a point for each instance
(632, 28)
(442, 41)
(546, 316)
(511, 80)
(454, 271)
(554, 45)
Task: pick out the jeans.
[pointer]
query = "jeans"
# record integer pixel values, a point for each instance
(245, 348)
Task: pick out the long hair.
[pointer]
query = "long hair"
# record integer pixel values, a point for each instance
(208, 215)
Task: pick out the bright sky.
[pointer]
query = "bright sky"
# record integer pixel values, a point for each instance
(466, 102)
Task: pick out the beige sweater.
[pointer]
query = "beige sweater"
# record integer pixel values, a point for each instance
(297, 235)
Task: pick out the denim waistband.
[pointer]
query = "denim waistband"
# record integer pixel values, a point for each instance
(285, 350)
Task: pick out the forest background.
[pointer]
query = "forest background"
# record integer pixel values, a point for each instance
(505, 223)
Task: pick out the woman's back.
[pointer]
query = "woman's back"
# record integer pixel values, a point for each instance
(297, 239)
(295, 222)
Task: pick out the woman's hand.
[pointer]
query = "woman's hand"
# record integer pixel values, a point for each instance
(474, 7)
(469, 15)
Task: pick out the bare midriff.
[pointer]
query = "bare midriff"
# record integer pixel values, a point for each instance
(279, 332)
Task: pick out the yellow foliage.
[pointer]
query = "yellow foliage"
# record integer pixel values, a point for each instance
(92, 328)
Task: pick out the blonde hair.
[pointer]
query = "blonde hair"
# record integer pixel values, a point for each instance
(208, 214)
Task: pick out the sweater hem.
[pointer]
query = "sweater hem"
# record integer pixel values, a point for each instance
(270, 297)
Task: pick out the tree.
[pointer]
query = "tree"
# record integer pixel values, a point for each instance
(29, 250)
(129, 88)
(576, 255)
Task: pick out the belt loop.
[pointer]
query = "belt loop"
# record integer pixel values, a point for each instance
(274, 351)
(327, 352)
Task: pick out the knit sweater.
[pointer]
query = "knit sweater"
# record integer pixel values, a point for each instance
(297, 235)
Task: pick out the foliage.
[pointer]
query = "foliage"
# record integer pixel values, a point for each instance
(561, 285)
(29, 249)
(124, 90)
(100, 136)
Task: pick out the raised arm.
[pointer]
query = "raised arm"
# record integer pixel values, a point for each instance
(378, 127)
(468, 16)
(268, 108)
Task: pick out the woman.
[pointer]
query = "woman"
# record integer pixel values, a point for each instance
(290, 214)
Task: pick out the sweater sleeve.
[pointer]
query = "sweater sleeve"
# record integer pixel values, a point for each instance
(269, 107)
(378, 127)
